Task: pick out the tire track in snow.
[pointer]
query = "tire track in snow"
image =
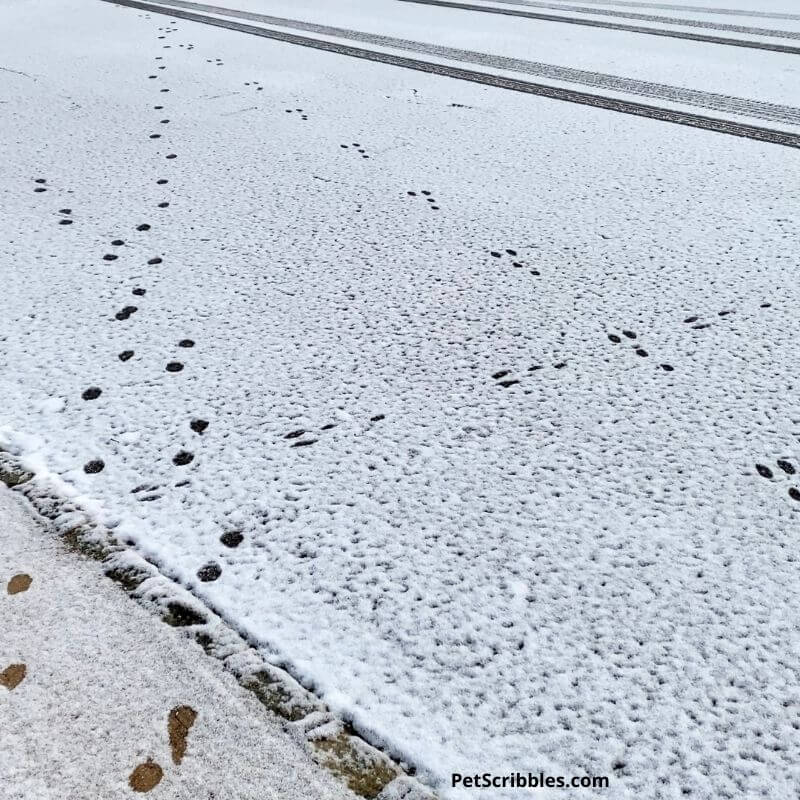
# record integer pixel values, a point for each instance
(688, 23)
(709, 100)
(596, 23)
(734, 12)
(717, 125)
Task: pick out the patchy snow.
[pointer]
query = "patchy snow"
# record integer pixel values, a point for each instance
(477, 515)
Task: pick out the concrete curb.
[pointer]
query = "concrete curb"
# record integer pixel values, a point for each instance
(332, 743)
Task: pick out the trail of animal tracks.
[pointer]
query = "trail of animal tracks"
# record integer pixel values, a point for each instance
(89, 708)
(474, 409)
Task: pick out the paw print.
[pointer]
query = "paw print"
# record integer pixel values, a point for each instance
(503, 379)
(356, 147)
(636, 346)
(425, 193)
(512, 254)
(785, 468)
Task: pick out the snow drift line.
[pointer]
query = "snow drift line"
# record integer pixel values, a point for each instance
(596, 23)
(754, 132)
(688, 23)
(676, 94)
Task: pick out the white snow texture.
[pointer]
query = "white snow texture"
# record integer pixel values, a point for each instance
(486, 376)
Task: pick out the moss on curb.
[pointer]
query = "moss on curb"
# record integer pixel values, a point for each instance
(12, 477)
(276, 697)
(344, 756)
(79, 540)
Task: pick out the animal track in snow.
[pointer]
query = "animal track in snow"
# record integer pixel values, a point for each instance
(508, 378)
(784, 468)
(231, 538)
(304, 432)
(427, 195)
(512, 254)
(126, 312)
(209, 572)
(698, 322)
(628, 334)
(357, 147)
(503, 379)
(636, 346)
(304, 443)
(182, 458)
(147, 494)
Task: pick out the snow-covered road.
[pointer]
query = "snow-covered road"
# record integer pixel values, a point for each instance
(477, 410)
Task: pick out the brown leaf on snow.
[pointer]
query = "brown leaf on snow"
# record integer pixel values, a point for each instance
(146, 776)
(13, 675)
(19, 583)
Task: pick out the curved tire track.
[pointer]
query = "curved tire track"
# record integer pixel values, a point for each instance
(754, 132)
(772, 112)
(595, 23)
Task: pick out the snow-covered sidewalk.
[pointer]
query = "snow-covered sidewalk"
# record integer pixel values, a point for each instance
(99, 693)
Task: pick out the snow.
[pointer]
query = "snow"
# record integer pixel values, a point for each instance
(98, 688)
(723, 69)
(654, 17)
(580, 572)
